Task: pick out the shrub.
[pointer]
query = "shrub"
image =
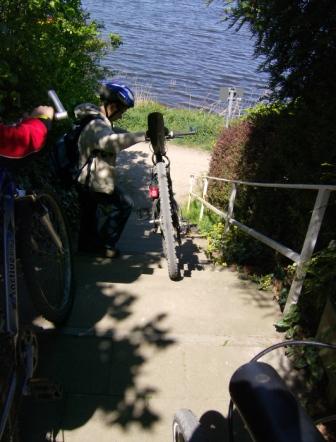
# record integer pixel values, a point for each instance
(47, 45)
(274, 144)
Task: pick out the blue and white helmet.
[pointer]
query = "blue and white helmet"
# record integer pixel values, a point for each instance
(113, 92)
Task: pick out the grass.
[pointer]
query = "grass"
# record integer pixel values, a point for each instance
(208, 125)
(205, 224)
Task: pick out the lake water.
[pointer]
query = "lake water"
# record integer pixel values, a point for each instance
(179, 51)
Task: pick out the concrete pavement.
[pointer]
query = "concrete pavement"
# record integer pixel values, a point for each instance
(138, 346)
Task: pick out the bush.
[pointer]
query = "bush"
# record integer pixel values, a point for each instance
(274, 145)
(48, 45)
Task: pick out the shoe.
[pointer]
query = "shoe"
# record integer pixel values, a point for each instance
(111, 252)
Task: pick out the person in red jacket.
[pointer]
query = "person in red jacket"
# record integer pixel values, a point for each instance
(28, 136)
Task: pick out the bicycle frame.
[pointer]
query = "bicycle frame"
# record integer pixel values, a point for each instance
(10, 300)
(154, 195)
(11, 326)
(22, 344)
(7, 191)
(165, 210)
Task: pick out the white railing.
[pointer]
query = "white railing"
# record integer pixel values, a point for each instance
(321, 203)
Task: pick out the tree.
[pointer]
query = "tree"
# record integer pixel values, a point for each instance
(48, 44)
(297, 41)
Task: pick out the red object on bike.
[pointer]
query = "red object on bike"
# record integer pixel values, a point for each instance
(153, 192)
(22, 139)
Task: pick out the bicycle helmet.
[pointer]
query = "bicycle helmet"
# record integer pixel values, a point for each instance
(112, 92)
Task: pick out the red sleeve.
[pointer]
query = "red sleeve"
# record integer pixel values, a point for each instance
(22, 139)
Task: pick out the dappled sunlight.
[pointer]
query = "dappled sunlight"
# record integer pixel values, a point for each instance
(134, 173)
(98, 368)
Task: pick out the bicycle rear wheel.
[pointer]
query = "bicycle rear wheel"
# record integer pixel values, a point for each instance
(187, 428)
(47, 259)
(169, 236)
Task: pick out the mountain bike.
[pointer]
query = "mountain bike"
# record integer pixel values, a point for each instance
(166, 216)
(34, 230)
(268, 409)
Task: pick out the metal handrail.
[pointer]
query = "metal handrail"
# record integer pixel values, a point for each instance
(277, 185)
(321, 203)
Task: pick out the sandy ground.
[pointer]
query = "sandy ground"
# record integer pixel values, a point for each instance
(135, 166)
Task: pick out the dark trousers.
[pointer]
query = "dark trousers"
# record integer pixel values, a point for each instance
(103, 217)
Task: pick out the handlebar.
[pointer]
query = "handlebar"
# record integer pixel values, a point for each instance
(61, 113)
(172, 134)
(157, 133)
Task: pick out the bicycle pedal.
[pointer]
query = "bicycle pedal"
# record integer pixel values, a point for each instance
(43, 389)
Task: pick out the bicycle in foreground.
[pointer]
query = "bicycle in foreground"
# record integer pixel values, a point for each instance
(166, 217)
(265, 404)
(34, 230)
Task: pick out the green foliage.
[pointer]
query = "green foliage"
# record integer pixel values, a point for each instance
(290, 320)
(208, 125)
(319, 284)
(275, 144)
(215, 240)
(288, 142)
(305, 358)
(232, 246)
(264, 282)
(115, 40)
(302, 320)
(296, 40)
(47, 44)
(192, 216)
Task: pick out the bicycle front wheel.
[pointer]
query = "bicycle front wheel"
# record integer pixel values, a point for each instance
(187, 428)
(47, 259)
(156, 132)
(169, 239)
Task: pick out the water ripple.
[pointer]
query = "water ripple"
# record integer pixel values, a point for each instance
(179, 50)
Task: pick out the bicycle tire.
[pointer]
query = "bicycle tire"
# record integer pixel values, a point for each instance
(11, 432)
(169, 241)
(187, 428)
(48, 271)
(156, 132)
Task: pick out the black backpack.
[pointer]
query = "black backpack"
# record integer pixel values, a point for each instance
(65, 153)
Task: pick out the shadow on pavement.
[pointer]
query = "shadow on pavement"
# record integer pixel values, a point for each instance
(189, 258)
(214, 427)
(98, 367)
(126, 269)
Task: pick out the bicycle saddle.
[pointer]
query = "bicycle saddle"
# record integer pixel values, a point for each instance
(268, 408)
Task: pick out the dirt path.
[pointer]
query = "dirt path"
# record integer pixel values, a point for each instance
(135, 168)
